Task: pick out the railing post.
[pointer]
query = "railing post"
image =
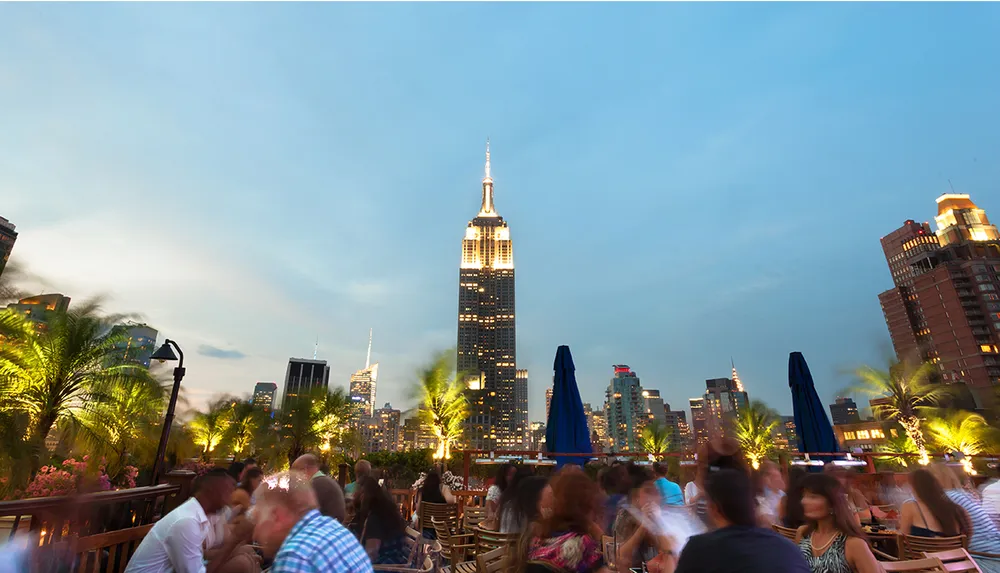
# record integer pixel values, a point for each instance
(871, 463)
(342, 475)
(183, 479)
(466, 462)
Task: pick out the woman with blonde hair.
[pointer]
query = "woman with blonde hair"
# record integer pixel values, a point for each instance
(985, 537)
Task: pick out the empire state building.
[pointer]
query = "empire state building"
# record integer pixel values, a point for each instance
(486, 340)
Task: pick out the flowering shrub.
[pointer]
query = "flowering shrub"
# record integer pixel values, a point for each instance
(128, 477)
(67, 479)
(200, 468)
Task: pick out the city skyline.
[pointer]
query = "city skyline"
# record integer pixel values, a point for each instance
(703, 194)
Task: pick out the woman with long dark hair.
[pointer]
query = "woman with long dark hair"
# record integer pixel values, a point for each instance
(382, 528)
(931, 513)
(505, 473)
(831, 540)
(984, 537)
(507, 520)
(243, 496)
(790, 506)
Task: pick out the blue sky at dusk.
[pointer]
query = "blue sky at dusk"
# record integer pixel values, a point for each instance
(684, 183)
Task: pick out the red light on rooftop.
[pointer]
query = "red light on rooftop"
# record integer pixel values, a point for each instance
(621, 368)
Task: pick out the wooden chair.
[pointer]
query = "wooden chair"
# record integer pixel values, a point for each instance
(426, 567)
(441, 511)
(956, 561)
(119, 546)
(786, 532)
(492, 561)
(473, 517)
(610, 551)
(914, 546)
(930, 565)
(488, 540)
(454, 546)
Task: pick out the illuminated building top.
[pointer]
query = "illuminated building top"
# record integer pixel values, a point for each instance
(959, 219)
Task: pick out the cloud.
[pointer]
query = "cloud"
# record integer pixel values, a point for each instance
(214, 352)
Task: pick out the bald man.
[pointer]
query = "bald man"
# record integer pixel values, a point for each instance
(362, 469)
(328, 492)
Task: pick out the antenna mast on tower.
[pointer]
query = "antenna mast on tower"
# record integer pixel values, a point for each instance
(368, 361)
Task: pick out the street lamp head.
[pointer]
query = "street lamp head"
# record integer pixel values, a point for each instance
(163, 354)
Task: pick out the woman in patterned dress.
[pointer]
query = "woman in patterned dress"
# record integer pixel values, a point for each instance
(568, 539)
(985, 537)
(831, 540)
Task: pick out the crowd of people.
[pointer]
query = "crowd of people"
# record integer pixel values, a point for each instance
(630, 517)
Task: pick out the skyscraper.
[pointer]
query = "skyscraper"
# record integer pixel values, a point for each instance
(7, 237)
(699, 426)
(363, 385)
(652, 404)
(624, 408)
(381, 432)
(40, 309)
(263, 395)
(548, 402)
(304, 375)
(945, 305)
(523, 429)
(676, 423)
(486, 327)
(844, 411)
(138, 344)
(724, 398)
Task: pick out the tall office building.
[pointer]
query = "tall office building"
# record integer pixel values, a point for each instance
(784, 434)
(677, 426)
(699, 421)
(548, 402)
(486, 327)
(138, 343)
(7, 237)
(523, 429)
(652, 403)
(40, 309)
(597, 423)
(945, 304)
(381, 432)
(304, 375)
(417, 436)
(844, 411)
(263, 395)
(363, 385)
(623, 405)
(537, 436)
(724, 398)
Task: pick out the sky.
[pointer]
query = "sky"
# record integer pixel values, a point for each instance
(686, 184)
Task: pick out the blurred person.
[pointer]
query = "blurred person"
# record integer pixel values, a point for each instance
(985, 537)
(176, 543)
(832, 540)
(248, 464)
(715, 455)
(505, 473)
(989, 492)
(434, 490)
(669, 491)
(616, 487)
(737, 544)
(856, 500)
(243, 496)
(382, 527)
(770, 493)
(362, 469)
(790, 507)
(635, 543)
(300, 539)
(530, 496)
(568, 540)
(508, 520)
(890, 492)
(533, 503)
(328, 492)
(931, 513)
(235, 470)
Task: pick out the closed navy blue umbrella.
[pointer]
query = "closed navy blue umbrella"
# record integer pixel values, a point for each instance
(566, 429)
(811, 422)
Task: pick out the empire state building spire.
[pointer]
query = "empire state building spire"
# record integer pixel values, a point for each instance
(487, 208)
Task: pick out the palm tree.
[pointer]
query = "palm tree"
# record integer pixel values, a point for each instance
(314, 419)
(897, 445)
(55, 371)
(116, 422)
(963, 432)
(906, 394)
(443, 406)
(655, 438)
(754, 427)
(245, 423)
(209, 427)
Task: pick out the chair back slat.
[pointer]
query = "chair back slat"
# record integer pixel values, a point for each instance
(473, 517)
(488, 540)
(930, 565)
(492, 561)
(956, 560)
(915, 546)
(786, 532)
(429, 510)
(120, 545)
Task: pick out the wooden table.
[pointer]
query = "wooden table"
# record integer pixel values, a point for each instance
(887, 541)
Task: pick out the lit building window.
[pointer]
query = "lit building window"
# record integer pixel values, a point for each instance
(863, 435)
(878, 434)
(849, 436)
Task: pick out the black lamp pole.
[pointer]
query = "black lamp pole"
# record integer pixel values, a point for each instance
(163, 354)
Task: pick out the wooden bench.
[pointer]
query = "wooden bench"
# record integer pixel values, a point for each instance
(107, 552)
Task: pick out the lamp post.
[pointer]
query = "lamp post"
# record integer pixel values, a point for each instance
(163, 354)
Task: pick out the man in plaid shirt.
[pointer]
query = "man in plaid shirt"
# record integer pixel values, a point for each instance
(290, 528)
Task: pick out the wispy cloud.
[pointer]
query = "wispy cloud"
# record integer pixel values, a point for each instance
(221, 353)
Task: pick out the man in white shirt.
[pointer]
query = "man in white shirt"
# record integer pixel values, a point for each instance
(176, 543)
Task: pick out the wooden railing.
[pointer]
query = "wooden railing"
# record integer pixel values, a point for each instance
(54, 518)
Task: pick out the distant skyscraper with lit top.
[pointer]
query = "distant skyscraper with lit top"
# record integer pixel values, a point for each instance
(486, 331)
(363, 386)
